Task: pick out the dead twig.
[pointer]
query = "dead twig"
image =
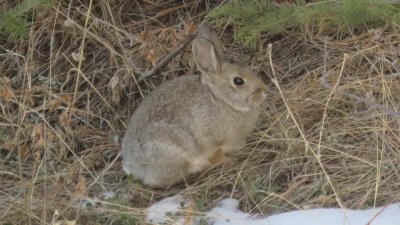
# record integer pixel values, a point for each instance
(164, 61)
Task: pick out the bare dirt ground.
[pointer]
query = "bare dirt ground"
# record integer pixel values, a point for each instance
(329, 135)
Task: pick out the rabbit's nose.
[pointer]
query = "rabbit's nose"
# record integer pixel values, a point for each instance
(263, 89)
(259, 94)
(264, 92)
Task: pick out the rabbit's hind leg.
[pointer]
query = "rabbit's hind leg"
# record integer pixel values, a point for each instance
(170, 154)
(167, 160)
(162, 174)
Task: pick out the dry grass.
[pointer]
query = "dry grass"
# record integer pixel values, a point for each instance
(67, 95)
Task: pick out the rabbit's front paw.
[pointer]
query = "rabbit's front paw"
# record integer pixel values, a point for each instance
(198, 164)
(219, 157)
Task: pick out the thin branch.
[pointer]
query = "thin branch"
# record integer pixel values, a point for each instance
(164, 61)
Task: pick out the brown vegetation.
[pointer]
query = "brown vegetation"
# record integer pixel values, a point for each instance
(329, 137)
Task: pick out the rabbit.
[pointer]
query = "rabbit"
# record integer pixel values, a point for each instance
(189, 123)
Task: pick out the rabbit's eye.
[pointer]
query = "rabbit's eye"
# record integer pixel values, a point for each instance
(238, 81)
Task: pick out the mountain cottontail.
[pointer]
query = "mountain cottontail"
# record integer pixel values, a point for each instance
(190, 122)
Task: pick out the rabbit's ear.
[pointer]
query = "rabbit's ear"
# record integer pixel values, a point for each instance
(205, 56)
(204, 31)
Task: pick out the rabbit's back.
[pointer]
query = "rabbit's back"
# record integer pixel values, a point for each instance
(187, 103)
(171, 102)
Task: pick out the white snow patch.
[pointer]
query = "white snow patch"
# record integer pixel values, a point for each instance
(227, 213)
(108, 195)
(166, 210)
